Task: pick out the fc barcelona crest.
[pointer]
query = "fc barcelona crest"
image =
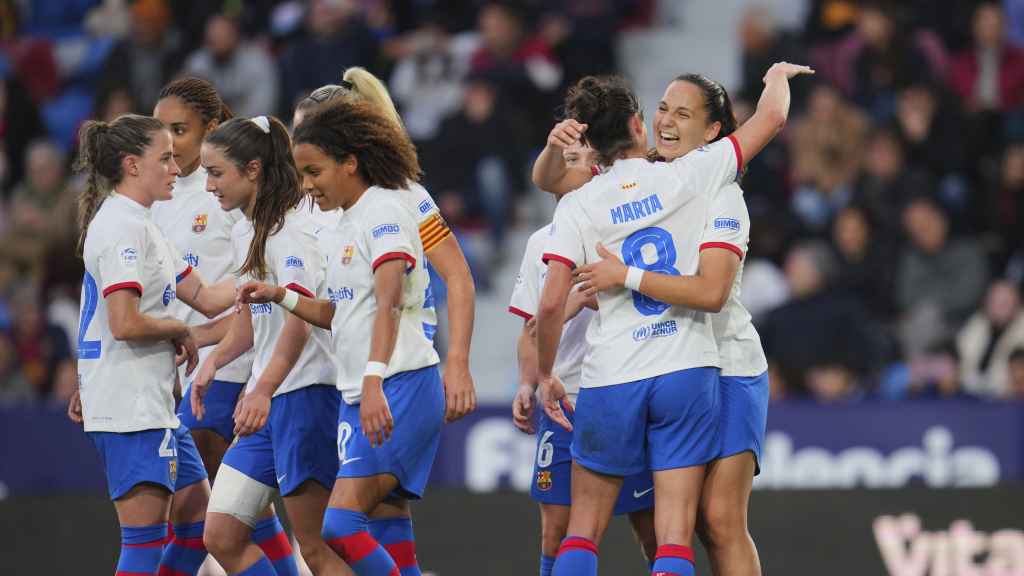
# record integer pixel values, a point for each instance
(346, 254)
(544, 480)
(199, 223)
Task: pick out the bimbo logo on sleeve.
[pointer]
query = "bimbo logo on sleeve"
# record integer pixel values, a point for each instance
(385, 229)
(293, 262)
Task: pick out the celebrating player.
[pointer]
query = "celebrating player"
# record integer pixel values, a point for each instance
(354, 158)
(649, 360)
(439, 244)
(694, 112)
(286, 418)
(552, 466)
(127, 337)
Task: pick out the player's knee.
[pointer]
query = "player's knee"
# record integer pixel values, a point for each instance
(314, 551)
(222, 538)
(724, 521)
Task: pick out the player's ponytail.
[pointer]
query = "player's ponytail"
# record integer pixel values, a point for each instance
(384, 154)
(101, 149)
(366, 86)
(717, 102)
(201, 96)
(605, 104)
(263, 138)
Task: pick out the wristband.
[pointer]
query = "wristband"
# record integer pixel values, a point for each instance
(376, 369)
(633, 277)
(290, 299)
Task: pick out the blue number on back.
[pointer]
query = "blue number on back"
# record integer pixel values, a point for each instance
(632, 255)
(88, 349)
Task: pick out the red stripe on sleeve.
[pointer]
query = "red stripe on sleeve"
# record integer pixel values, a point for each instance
(394, 256)
(184, 274)
(739, 154)
(295, 287)
(122, 286)
(548, 257)
(730, 247)
(521, 313)
(403, 553)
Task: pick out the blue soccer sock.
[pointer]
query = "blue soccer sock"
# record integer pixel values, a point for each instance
(396, 536)
(269, 535)
(576, 557)
(141, 547)
(673, 560)
(547, 563)
(345, 531)
(261, 568)
(185, 553)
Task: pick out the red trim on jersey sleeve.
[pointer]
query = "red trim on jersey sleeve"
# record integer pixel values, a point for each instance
(296, 287)
(183, 275)
(730, 247)
(739, 154)
(395, 256)
(521, 313)
(122, 286)
(549, 256)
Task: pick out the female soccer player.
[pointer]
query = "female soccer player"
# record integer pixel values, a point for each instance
(552, 465)
(440, 245)
(128, 337)
(694, 112)
(649, 361)
(352, 157)
(193, 221)
(286, 418)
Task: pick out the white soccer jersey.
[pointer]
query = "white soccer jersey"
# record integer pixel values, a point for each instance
(195, 224)
(432, 227)
(293, 261)
(378, 228)
(572, 348)
(126, 386)
(728, 227)
(652, 215)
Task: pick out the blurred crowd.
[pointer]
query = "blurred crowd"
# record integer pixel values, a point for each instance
(885, 259)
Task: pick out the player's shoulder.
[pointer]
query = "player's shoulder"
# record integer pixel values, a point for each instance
(419, 200)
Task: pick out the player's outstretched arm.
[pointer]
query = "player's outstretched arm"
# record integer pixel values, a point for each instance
(208, 300)
(550, 318)
(772, 110)
(128, 324)
(374, 412)
(254, 407)
(708, 290)
(212, 332)
(236, 341)
(550, 172)
(449, 261)
(313, 310)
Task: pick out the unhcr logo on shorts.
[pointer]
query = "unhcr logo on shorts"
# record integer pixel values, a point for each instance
(656, 330)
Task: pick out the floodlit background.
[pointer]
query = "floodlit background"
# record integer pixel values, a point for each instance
(884, 273)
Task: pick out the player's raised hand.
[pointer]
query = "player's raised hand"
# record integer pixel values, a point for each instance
(200, 386)
(459, 392)
(605, 274)
(788, 70)
(251, 412)
(254, 292)
(374, 412)
(552, 393)
(75, 408)
(522, 409)
(566, 133)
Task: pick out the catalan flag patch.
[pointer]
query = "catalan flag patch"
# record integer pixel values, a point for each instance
(433, 230)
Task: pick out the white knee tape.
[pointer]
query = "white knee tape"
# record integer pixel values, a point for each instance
(240, 496)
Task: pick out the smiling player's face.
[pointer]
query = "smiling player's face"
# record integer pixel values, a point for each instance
(681, 122)
(233, 188)
(331, 184)
(186, 127)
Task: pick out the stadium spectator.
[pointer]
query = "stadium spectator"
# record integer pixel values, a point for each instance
(990, 74)
(148, 58)
(833, 384)
(335, 39)
(14, 386)
(1006, 212)
(865, 271)
(930, 131)
(41, 348)
(936, 374)
(36, 201)
(886, 185)
(940, 279)
(826, 149)
(20, 123)
(1016, 388)
(762, 44)
(988, 338)
(242, 72)
(802, 334)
